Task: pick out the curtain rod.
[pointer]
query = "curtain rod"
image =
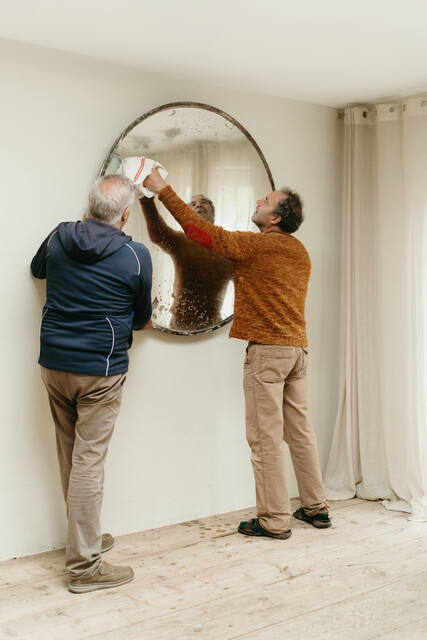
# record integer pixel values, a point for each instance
(394, 105)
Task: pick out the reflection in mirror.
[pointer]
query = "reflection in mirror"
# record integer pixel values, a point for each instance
(215, 166)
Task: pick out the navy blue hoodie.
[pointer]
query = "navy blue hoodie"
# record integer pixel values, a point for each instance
(98, 288)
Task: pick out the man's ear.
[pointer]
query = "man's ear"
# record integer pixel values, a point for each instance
(125, 215)
(275, 218)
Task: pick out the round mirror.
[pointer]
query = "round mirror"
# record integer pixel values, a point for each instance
(215, 166)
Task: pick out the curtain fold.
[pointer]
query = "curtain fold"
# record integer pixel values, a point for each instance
(379, 447)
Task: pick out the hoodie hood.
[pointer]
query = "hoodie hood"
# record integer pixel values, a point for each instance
(91, 240)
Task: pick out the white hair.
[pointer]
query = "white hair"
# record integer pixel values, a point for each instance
(109, 197)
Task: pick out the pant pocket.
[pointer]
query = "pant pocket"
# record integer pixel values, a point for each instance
(275, 363)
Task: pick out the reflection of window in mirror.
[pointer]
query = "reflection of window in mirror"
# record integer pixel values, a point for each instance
(239, 195)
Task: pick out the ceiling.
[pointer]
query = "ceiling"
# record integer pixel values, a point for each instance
(326, 52)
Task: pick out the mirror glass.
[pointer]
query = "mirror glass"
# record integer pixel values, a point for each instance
(206, 153)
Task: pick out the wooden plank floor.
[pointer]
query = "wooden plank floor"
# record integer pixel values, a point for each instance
(364, 578)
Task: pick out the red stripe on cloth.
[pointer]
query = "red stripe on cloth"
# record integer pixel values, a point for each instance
(138, 173)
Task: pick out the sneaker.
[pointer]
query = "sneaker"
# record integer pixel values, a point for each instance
(107, 542)
(320, 520)
(107, 576)
(254, 528)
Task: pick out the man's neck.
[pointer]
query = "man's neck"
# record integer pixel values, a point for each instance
(117, 225)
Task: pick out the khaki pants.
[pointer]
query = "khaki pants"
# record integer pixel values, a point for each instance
(276, 410)
(84, 409)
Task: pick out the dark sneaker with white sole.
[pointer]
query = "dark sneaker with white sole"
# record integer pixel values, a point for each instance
(320, 520)
(106, 577)
(254, 528)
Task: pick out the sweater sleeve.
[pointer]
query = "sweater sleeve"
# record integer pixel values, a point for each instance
(159, 232)
(38, 263)
(235, 245)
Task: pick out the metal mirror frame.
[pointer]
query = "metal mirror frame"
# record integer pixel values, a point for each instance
(205, 107)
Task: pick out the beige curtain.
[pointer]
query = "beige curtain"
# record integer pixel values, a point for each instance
(379, 448)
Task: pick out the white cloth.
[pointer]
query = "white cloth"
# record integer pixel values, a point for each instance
(138, 168)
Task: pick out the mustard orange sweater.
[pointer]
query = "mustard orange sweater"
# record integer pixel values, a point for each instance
(271, 273)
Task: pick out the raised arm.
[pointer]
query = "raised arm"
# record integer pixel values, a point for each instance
(159, 232)
(38, 263)
(235, 245)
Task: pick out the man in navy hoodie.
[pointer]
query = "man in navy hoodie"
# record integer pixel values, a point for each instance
(98, 289)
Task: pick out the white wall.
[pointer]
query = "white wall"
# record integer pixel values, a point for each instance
(179, 449)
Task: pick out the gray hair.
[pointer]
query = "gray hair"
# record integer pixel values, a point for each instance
(201, 195)
(109, 197)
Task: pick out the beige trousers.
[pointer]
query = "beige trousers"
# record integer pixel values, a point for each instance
(84, 410)
(276, 411)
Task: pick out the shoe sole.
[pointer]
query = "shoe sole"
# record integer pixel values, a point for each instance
(84, 588)
(267, 534)
(106, 547)
(320, 525)
(314, 523)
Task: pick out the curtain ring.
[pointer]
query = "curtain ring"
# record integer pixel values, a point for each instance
(391, 109)
(365, 114)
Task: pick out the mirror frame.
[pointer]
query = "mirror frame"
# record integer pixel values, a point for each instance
(205, 107)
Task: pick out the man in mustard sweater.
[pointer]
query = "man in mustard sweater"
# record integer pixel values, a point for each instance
(271, 273)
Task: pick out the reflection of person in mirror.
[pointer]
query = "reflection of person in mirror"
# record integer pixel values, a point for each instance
(201, 277)
(271, 273)
(98, 289)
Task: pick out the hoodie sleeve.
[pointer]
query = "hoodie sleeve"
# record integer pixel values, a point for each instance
(142, 307)
(235, 245)
(38, 263)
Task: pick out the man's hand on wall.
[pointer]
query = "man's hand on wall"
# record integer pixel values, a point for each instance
(149, 325)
